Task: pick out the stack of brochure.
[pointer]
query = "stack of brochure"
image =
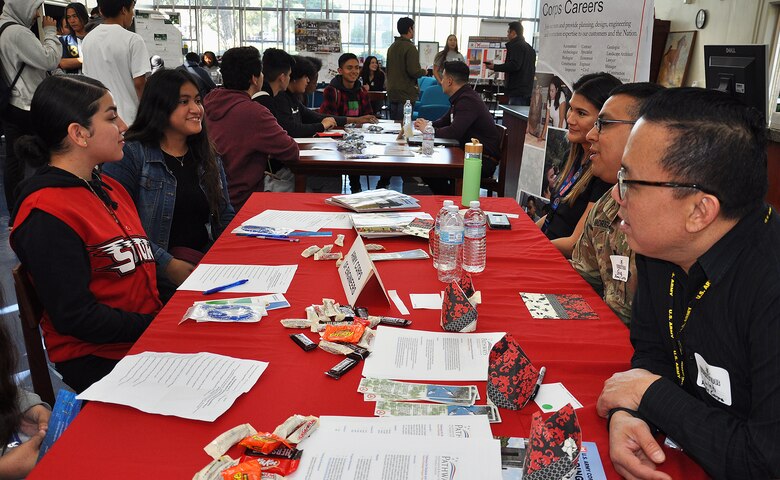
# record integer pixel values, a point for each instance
(390, 224)
(380, 200)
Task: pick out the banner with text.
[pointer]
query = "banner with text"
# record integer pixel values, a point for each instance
(576, 38)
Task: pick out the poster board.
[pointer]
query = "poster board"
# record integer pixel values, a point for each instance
(317, 35)
(428, 51)
(160, 36)
(481, 50)
(615, 36)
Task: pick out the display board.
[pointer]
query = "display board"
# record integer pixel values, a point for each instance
(484, 49)
(611, 36)
(428, 51)
(317, 35)
(160, 36)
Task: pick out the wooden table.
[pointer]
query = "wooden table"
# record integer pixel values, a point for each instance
(445, 162)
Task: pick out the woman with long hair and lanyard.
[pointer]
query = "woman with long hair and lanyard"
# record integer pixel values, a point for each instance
(576, 189)
(174, 176)
(78, 235)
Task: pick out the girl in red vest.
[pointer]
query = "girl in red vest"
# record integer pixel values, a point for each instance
(79, 235)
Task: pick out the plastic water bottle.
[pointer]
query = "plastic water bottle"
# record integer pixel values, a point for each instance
(474, 244)
(427, 143)
(408, 128)
(451, 246)
(433, 235)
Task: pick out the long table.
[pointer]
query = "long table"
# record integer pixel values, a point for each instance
(446, 162)
(120, 442)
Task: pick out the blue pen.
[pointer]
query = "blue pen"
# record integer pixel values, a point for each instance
(225, 287)
(311, 234)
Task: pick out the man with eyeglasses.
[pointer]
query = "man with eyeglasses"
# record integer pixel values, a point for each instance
(706, 315)
(602, 256)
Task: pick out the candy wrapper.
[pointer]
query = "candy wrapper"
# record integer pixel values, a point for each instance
(298, 427)
(213, 471)
(261, 468)
(339, 240)
(554, 445)
(310, 251)
(227, 313)
(295, 323)
(458, 309)
(264, 442)
(511, 376)
(217, 447)
(344, 333)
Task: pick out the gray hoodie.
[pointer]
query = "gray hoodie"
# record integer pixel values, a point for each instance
(19, 44)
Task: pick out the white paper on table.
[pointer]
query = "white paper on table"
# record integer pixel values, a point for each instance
(399, 304)
(262, 278)
(198, 386)
(475, 427)
(426, 301)
(315, 153)
(419, 355)
(302, 220)
(553, 396)
(314, 140)
(382, 138)
(390, 457)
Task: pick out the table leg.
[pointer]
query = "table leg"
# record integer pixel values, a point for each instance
(300, 183)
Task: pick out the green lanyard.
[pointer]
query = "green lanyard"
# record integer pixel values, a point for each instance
(677, 350)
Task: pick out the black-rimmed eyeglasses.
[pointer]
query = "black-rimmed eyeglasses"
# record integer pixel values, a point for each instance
(623, 185)
(600, 122)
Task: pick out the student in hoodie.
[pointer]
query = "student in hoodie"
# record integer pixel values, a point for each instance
(346, 97)
(245, 133)
(277, 66)
(79, 236)
(19, 47)
(174, 176)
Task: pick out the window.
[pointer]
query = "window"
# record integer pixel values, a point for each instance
(368, 27)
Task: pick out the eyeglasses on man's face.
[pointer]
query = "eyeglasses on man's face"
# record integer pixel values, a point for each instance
(601, 122)
(623, 184)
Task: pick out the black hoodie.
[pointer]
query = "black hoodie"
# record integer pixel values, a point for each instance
(57, 260)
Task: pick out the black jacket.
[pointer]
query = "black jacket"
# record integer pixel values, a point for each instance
(519, 67)
(295, 117)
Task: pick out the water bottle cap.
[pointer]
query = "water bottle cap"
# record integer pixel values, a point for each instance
(448, 202)
(452, 208)
(474, 204)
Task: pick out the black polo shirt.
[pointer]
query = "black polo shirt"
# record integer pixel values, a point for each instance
(732, 332)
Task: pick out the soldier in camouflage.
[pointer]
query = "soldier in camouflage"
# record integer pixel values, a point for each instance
(602, 256)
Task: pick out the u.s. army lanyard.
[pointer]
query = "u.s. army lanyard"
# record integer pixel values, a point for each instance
(677, 350)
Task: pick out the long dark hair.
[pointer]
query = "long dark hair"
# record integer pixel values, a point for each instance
(159, 100)
(595, 88)
(81, 12)
(9, 392)
(59, 101)
(365, 71)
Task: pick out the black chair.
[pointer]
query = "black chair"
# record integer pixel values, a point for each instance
(493, 184)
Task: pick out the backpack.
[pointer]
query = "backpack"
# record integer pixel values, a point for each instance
(5, 88)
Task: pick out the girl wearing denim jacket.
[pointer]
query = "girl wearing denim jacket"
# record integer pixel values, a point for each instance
(174, 176)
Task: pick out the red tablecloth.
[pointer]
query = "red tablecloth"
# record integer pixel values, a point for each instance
(119, 442)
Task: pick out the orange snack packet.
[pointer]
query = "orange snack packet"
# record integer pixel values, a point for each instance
(264, 442)
(344, 333)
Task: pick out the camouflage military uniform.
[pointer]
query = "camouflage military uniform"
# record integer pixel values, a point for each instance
(591, 257)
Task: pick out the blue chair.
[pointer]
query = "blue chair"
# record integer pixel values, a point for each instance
(432, 112)
(433, 95)
(424, 83)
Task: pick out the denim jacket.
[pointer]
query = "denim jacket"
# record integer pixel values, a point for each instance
(148, 180)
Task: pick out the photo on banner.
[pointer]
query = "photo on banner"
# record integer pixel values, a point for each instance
(614, 38)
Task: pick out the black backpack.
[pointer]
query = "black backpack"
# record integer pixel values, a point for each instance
(5, 88)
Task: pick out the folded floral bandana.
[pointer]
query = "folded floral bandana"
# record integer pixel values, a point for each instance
(554, 445)
(511, 377)
(459, 306)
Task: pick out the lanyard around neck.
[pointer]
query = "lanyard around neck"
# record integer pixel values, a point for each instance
(677, 350)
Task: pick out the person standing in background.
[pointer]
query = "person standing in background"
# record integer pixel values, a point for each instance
(403, 70)
(77, 18)
(118, 57)
(519, 67)
(211, 64)
(450, 53)
(21, 49)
